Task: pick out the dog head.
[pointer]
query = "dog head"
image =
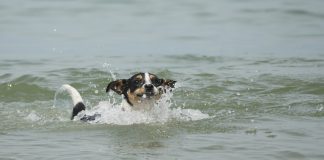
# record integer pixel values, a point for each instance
(141, 87)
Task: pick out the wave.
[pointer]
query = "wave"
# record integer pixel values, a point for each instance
(24, 92)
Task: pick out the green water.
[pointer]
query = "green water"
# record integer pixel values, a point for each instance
(250, 78)
(264, 107)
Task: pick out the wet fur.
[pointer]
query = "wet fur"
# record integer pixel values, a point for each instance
(134, 89)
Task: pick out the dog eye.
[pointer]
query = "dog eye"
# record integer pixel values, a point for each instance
(156, 82)
(137, 82)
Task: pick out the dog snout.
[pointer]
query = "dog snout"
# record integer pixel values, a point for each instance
(149, 87)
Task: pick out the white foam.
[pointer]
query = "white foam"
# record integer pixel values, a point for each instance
(32, 116)
(123, 114)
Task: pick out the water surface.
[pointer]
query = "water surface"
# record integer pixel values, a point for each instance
(250, 78)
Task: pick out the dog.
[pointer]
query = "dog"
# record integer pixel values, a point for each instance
(140, 91)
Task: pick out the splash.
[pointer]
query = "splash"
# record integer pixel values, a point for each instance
(120, 113)
(123, 114)
(32, 116)
(108, 67)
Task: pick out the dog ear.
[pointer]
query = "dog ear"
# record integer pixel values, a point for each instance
(168, 82)
(118, 86)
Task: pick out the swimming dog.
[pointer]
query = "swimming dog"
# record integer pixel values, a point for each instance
(140, 91)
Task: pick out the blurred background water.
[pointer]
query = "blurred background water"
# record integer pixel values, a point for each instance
(254, 66)
(110, 27)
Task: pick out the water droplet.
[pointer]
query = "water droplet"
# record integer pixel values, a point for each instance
(230, 111)
(320, 109)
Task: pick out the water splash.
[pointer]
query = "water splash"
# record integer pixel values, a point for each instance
(123, 114)
(32, 116)
(57, 99)
(108, 67)
(120, 113)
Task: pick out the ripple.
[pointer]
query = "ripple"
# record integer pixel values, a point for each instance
(194, 58)
(301, 12)
(24, 92)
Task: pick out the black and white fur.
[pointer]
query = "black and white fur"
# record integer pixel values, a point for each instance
(140, 91)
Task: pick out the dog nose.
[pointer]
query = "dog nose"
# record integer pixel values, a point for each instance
(148, 87)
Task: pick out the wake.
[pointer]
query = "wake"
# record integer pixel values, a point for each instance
(109, 112)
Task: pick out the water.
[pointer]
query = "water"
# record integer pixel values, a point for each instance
(250, 78)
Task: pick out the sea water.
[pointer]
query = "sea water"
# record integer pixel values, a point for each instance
(249, 78)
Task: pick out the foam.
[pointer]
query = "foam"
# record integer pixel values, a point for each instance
(32, 116)
(123, 114)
